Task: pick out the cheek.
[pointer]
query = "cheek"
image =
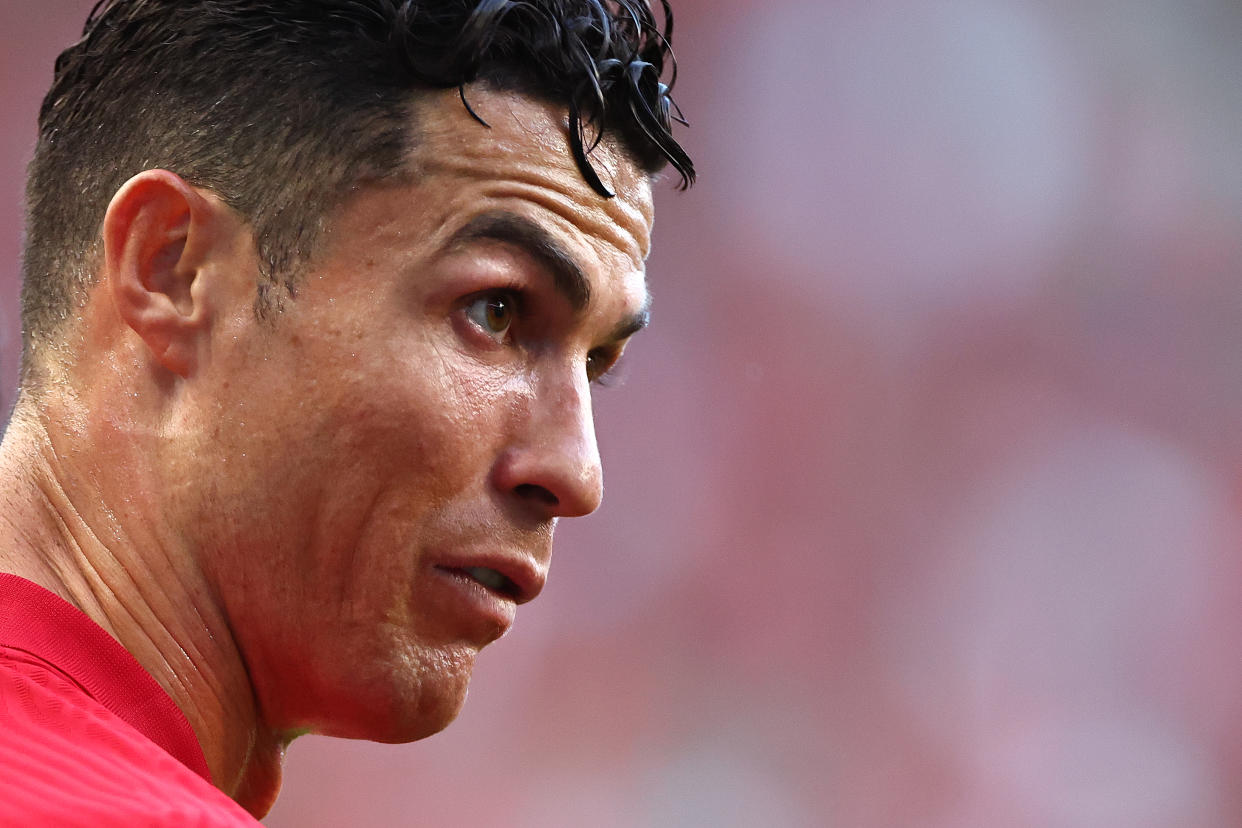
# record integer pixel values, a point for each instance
(352, 417)
(491, 405)
(434, 423)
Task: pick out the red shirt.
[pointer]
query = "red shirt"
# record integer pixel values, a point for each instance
(87, 737)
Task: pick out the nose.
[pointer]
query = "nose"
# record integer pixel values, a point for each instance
(552, 466)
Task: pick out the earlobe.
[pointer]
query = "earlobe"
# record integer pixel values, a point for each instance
(156, 233)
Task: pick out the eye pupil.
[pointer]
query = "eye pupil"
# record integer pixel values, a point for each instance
(498, 312)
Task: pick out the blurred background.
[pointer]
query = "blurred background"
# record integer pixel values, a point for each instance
(923, 496)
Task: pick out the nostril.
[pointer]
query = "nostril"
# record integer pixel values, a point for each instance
(532, 491)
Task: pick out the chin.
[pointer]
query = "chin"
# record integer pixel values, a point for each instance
(414, 700)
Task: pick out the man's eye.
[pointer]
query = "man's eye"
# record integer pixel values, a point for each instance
(603, 368)
(493, 313)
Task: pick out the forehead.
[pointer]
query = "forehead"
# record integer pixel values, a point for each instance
(523, 159)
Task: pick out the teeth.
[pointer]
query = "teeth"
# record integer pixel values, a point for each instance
(489, 578)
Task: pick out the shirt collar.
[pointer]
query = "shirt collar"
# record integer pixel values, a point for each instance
(44, 625)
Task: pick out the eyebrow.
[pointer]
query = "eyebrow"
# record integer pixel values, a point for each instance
(528, 236)
(635, 323)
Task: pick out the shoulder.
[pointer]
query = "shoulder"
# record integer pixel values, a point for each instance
(69, 761)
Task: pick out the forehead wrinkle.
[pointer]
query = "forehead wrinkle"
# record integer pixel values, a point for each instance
(519, 148)
(612, 221)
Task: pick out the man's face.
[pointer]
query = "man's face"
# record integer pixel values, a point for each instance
(377, 477)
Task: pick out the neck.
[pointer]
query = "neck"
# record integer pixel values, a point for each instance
(69, 527)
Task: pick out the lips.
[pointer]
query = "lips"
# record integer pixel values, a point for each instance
(516, 579)
(493, 580)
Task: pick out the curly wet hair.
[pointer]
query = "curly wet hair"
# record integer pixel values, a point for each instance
(279, 106)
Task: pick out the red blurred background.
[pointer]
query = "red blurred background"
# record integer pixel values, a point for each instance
(923, 505)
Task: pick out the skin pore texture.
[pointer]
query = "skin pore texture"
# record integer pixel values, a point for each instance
(315, 524)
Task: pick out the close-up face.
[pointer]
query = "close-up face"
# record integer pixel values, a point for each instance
(382, 467)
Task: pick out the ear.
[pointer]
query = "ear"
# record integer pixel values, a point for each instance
(158, 234)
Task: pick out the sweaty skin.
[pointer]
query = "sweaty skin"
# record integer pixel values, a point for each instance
(317, 523)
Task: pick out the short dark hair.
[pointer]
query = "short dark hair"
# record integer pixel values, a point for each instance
(278, 106)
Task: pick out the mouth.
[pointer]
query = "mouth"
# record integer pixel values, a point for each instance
(492, 580)
(497, 582)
